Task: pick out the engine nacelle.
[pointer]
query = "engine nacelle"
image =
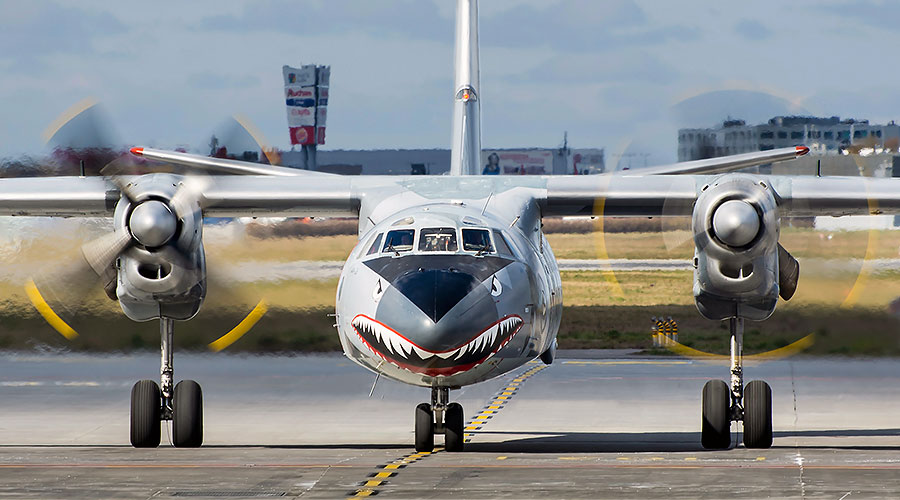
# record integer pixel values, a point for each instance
(163, 273)
(736, 228)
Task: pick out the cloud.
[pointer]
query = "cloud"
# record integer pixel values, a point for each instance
(580, 26)
(416, 19)
(611, 67)
(212, 81)
(36, 29)
(876, 13)
(752, 30)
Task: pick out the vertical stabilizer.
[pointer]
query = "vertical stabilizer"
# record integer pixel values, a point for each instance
(465, 153)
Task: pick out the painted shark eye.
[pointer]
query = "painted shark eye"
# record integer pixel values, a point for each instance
(378, 291)
(496, 287)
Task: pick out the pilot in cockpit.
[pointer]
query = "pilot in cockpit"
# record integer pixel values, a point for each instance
(438, 240)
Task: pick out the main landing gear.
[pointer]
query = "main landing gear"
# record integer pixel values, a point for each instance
(439, 417)
(152, 403)
(751, 404)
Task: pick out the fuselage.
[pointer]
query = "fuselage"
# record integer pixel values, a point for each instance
(448, 292)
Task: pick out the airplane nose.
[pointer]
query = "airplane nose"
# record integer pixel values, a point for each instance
(436, 291)
(438, 315)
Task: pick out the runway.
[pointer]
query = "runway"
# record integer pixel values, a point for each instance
(602, 425)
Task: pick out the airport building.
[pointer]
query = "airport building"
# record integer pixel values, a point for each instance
(532, 161)
(822, 135)
(838, 147)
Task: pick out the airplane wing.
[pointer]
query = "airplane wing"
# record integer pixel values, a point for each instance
(721, 164)
(224, 196)
(708, 166)
(58, 196)
(290, 192)
(222, 165)
(674, 195)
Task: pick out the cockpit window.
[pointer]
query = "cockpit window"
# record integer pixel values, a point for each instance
(375, 245)
(438, 239)
(502, 245)
(400, 240)
(477, 240)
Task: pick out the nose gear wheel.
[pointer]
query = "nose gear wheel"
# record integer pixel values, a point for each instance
(439, 417)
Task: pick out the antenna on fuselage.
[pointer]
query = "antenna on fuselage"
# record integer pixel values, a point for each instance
(465, 151)
(486, 202)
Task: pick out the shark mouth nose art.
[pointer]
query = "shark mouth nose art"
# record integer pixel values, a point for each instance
(399, 350)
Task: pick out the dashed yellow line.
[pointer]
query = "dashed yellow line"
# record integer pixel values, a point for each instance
(496, 403)
(379, 479)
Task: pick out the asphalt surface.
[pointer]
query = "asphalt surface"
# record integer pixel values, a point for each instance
(606, 425)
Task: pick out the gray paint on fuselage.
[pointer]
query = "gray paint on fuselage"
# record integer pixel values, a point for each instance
(531, 287)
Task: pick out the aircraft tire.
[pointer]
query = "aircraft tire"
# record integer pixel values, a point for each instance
(146, 407)
(424, 428)
(187, 415)
(758, 415)
(715, 429)
(454, 421)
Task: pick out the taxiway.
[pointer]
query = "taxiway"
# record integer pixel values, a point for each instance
(602, 425)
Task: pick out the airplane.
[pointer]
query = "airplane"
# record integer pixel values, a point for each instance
(452, 281)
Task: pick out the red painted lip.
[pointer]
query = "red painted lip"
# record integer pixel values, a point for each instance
(137, 151)
(408, 365)
(802, 150)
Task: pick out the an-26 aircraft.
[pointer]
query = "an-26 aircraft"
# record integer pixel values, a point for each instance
(452, 281)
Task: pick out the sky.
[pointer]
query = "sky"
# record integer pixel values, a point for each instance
(618, 74)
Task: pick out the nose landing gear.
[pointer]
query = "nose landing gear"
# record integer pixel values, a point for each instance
(751, 405)
(152, 403)
(439, 417)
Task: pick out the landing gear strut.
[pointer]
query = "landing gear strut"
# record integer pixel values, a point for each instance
(152, 403)
(439, 417)
(722, 405)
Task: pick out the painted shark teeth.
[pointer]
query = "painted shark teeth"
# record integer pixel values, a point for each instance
(379, 336)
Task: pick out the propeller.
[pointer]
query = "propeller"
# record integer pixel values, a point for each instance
(146, 220)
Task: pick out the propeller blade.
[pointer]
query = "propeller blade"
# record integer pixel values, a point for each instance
(101, 253)
(82, 139)
(788, 273)
(190, 193)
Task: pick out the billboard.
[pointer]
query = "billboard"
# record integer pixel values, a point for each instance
(301, 77)
(517, 162)
(300, 96)
(586, 161)
(302, 135)
(306, 100)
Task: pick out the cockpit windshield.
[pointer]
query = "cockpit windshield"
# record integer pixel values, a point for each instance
(477, 240)
(438, 239)
(399, 240)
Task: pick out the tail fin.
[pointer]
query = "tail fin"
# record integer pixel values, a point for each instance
(465, 153)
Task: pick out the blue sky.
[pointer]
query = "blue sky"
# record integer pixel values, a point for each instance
(620, 74)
